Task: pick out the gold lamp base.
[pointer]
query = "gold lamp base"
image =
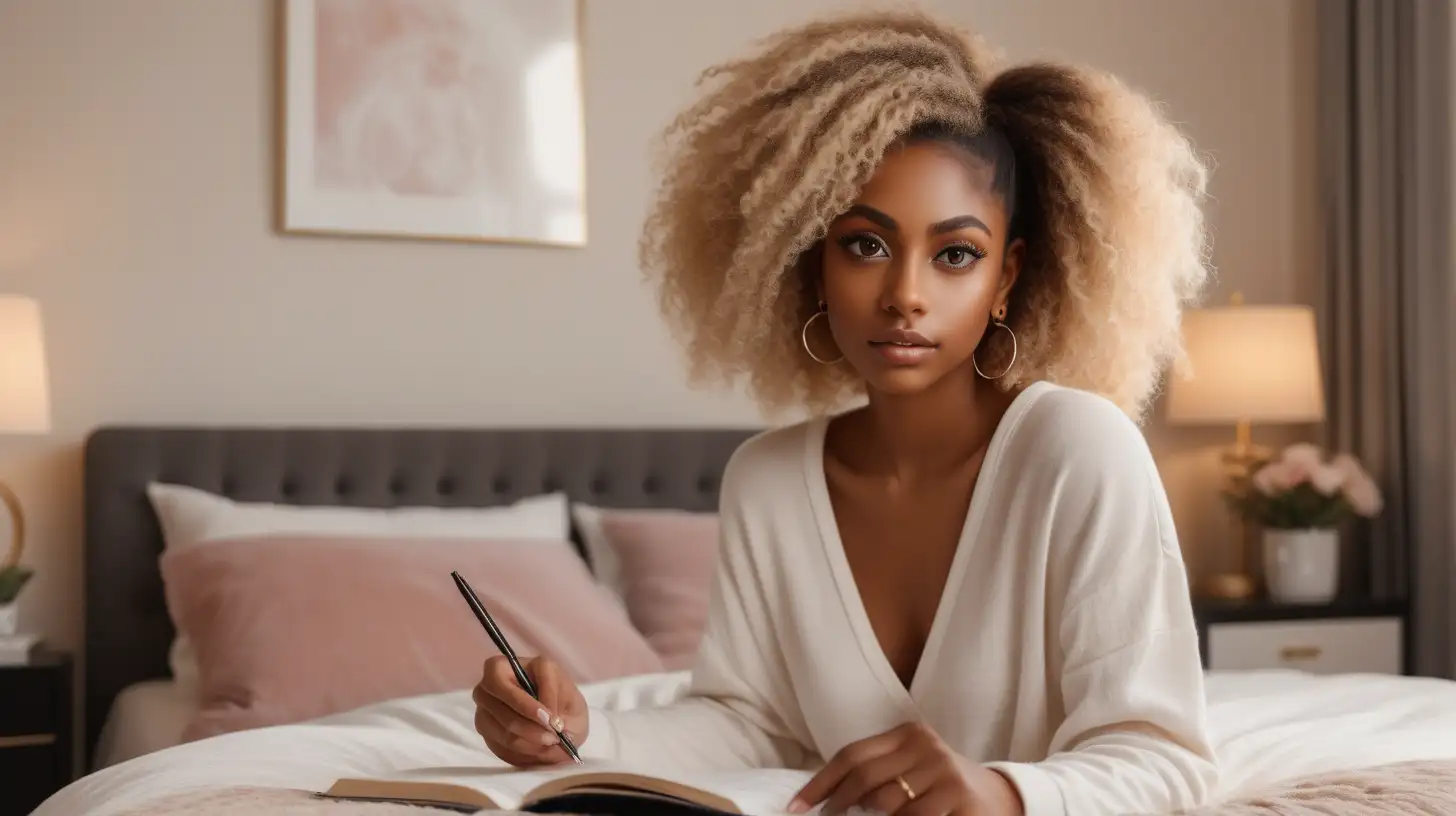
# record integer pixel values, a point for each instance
(1231, 587)
(1240, 461)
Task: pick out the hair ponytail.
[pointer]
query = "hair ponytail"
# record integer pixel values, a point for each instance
(1108, 200)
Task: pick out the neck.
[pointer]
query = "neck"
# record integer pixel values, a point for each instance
(938, 430)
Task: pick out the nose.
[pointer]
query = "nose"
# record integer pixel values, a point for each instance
(902, 292)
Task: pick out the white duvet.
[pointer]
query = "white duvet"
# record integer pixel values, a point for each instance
(1268, 726)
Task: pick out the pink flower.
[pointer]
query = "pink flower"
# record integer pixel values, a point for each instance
(1342, 483)
(1360, 490)
(1298, 471)
(1276, 477)
(1305, 454)
(1364, 497)
(1350, 466)
(1328, 479)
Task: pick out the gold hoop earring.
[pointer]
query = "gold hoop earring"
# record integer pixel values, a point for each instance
(804, 337)
(998, 324)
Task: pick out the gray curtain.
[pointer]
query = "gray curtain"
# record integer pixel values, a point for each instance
(1386, 298)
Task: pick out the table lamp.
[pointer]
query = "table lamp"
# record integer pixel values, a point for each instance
(24, 394)
(1247, 364)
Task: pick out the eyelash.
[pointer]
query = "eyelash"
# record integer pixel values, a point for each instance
(848, 241)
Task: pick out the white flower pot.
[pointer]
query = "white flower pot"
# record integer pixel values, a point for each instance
(9, 618)
(1302, 566)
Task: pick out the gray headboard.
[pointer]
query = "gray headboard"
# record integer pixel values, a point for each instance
(128, 631)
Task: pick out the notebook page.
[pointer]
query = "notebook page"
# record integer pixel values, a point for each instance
(506, 786)
(759, 792)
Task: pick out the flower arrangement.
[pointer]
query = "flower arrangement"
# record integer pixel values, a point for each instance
(12, 580)
(1302, 490)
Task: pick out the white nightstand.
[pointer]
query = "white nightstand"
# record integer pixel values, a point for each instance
(1343, 637)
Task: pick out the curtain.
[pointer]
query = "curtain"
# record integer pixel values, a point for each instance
(1386, 299)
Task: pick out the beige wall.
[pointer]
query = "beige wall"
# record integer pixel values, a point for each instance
(136, 191)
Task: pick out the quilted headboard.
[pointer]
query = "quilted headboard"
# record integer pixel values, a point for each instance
(128, 631)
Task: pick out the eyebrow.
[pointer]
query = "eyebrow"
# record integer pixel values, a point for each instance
(948, 225)
(959, 222)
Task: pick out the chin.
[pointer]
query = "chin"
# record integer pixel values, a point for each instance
(903, 382)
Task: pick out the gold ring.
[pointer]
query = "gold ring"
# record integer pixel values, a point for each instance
(905, 786)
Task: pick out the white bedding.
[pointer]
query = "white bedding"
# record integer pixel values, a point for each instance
(146, 717)
(434, 729)
(1268, 726)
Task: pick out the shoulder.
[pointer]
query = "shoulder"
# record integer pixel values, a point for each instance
(761, 493)
(767, 462)
(1086, 453)
(1077, 432)
(1098, 472)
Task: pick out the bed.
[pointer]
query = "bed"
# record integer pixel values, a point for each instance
(1350, 744)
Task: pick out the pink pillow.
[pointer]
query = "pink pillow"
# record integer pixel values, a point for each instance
(666, 560)
(287, 628)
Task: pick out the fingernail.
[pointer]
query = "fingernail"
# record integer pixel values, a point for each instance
(548, 739)
(558, 724)
(798, 806)
(543, 717)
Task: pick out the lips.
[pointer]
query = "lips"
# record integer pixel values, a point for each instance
(902, 347)
(903, 338)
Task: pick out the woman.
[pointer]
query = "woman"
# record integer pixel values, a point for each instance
(965, 595)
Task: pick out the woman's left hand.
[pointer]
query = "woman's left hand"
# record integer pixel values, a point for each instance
(905, 772)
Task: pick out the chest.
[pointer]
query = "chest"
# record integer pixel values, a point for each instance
(900, 546)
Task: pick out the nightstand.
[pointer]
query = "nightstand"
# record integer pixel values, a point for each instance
(35, 731)
(1346, 636)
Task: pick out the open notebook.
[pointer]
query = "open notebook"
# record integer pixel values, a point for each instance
(590, 788)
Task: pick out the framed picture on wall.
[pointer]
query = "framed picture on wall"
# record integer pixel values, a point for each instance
(437, 119)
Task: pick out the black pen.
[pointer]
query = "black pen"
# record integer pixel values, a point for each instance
(505, 648)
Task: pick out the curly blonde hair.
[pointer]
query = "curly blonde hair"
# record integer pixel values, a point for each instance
(780, 143)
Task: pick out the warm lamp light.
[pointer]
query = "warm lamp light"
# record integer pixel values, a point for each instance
(24, 393)
(1247, 364)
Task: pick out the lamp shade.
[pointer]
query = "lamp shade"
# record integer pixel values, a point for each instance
(1248, 364)
(25, 405)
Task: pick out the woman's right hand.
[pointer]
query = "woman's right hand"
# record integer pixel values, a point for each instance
(516, 727)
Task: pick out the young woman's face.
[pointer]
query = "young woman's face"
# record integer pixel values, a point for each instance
(913, 272)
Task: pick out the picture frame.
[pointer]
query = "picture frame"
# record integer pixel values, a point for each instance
(455, 120)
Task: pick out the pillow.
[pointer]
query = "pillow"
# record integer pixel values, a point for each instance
(190, 516)
(604, 562)
(659, 564)
(288, 628)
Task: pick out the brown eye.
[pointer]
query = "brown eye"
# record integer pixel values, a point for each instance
(863, 246)
(959, 257)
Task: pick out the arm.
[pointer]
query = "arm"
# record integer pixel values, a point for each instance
(730, 714)
(1134, 738)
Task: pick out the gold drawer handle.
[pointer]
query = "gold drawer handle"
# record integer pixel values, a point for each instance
(27, 740)
(1300, 653)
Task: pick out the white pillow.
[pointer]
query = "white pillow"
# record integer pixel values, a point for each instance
(605, 564)
(189, 516)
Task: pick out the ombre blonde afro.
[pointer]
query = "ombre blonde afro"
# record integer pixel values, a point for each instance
(780, 142)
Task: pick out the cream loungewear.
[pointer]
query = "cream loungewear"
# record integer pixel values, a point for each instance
(1063, 652)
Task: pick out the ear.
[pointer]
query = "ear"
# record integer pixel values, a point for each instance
(1011, 263)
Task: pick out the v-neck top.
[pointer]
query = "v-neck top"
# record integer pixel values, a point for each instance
(1063, 652)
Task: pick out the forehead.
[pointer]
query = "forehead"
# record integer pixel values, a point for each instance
(926, 182)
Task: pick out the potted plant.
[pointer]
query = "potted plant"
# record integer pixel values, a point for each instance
(12, 579)
(1300, 498)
